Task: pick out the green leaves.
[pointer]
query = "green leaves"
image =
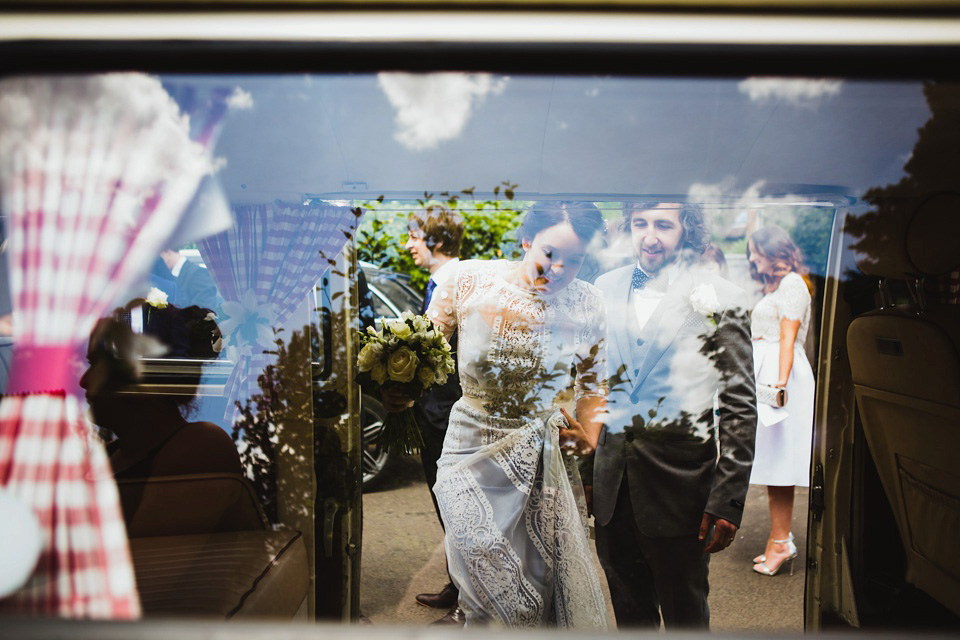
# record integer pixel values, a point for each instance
(489, 228)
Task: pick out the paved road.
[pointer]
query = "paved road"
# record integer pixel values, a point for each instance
(403, 556)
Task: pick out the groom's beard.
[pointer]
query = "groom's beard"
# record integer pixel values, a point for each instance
(654, 269)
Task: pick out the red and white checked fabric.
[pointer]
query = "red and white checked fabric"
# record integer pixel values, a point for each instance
(264, 267)
(95, 174)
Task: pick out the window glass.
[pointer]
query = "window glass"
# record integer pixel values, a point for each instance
(618, 264)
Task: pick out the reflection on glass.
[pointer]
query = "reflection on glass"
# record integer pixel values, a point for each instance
(151, 434)
(681, 185)
(779, 324)
(511, 502)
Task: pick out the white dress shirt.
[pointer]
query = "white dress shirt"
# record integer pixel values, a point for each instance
(646, 300)
(177, 268)
(445, 272)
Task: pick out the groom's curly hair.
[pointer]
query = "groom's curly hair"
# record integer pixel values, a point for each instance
(696, 237)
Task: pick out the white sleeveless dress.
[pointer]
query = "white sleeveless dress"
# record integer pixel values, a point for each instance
(512, 505)
(783, 449)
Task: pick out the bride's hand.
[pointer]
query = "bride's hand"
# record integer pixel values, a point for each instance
(575, 439)
(394, 400)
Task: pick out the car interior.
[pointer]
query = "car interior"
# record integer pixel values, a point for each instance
(906, 372)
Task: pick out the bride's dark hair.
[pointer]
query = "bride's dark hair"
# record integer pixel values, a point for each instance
(584, 217)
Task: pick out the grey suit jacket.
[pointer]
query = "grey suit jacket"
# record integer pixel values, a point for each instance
(680, 457)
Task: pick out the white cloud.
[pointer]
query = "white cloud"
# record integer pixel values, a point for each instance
(725, 191)
(240, 99)
(802, 92)
(433, 108)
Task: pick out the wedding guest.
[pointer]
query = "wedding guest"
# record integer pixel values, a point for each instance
(714, 260)
(434, 241)
(194, 286)
(779, 324)
(153, 436)
(511, 501)
(670, 475)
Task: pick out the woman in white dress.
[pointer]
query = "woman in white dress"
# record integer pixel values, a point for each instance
(779, 324)
(509, 492)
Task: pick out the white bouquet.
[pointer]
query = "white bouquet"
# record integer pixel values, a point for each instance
(409, 353)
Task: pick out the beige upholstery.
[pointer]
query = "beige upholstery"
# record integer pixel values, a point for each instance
(910, 408)
(905, 363)
(184, 505)
(247, 574)
(202, 546)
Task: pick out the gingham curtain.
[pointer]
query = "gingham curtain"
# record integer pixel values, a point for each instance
(263, 268)
(95, 174)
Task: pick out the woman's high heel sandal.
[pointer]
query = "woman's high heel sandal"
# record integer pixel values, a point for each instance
(763, 558)
(764, 569)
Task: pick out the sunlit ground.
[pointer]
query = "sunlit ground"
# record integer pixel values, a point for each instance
(403, 556)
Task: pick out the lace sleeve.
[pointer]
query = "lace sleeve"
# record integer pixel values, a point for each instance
(443, 305)
(591, 362)
(793, 298)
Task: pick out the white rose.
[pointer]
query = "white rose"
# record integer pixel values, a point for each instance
(379, 372)
(426, 376)
(157, 298)
(704, 300)
(402, 365)
(371, 354)
(421, 323)
(401, 329)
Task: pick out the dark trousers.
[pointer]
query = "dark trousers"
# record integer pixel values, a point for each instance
(432, 448)
(650, 577)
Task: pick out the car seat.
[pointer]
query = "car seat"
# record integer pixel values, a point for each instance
(905, 362)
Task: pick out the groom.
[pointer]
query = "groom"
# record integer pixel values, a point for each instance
(671, 471)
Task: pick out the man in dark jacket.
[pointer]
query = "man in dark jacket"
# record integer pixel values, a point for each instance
(671, 472)
(434, 243)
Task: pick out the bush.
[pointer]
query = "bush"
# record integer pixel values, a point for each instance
(489, 229)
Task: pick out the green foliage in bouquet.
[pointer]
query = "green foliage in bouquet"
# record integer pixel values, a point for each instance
(412, 355)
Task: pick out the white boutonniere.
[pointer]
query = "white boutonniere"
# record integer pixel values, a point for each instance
(157, 298)
(704, 301)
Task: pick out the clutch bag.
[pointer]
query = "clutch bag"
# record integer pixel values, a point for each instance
(773, 396)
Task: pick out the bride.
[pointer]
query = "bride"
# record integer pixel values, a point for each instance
(508, 489)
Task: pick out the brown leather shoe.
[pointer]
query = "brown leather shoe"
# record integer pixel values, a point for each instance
(443, 600)
(455, 617)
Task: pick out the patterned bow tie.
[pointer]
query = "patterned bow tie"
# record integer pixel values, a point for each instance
(640, 279)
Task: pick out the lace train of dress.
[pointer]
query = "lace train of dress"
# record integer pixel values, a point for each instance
(516, 537)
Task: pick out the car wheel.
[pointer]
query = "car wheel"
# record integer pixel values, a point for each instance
(373, 457)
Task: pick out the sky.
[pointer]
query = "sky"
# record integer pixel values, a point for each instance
(592, 137)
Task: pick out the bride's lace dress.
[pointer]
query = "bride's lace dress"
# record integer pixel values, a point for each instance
(512, 504)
